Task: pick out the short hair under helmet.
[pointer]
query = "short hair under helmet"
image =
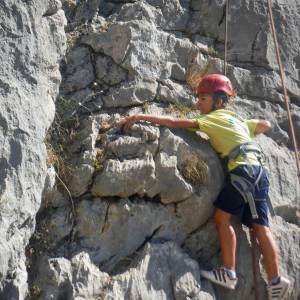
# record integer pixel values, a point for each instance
(213, 83)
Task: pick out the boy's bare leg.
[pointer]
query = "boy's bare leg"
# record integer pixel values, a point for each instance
(227, 238)
(268, 249)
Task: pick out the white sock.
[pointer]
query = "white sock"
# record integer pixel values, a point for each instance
(231, 274)
(275, 280)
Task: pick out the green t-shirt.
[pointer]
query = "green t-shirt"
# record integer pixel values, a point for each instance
(226, 131)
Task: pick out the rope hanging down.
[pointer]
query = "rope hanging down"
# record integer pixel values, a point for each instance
(286, 99)
(226, 36)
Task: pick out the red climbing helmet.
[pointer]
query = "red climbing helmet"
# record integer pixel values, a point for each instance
(215, 83)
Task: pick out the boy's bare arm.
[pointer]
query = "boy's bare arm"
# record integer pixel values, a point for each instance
(170, 122)
(262, 126)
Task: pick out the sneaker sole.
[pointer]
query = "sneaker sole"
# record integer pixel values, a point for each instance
(218, 282)
(285, 294)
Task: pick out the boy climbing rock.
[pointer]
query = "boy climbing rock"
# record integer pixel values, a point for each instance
(245, 193)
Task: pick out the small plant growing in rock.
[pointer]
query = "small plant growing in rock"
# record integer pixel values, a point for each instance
(145, 107)
(35, 291)
(62, 105)
(211, 51)
(71, 39)
(61, 134)
(69, 3)
(53, 159)
(195, 170)
(56, 159)
(99, 160)
(180, 110)
(195, 73)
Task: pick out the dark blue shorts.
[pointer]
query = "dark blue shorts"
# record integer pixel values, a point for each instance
(232, 202)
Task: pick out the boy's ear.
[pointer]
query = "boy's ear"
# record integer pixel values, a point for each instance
(220, 103)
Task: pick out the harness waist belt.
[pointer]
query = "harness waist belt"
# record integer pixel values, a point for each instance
(244, 186)
(242, 149)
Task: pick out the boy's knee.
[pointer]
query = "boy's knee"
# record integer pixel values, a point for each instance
(261, 230)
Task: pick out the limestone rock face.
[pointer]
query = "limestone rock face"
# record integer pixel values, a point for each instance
(127, 213)
(75, 279)
(287, 236)
(131, 190)
(80, 71)
(159, 171)
(160, 271)
(32, 45)
(249, 35)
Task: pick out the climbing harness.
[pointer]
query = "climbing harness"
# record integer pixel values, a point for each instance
(246, 148)
(244, 186)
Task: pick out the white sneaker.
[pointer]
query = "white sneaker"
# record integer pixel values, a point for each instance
(280, 290)
(220, 277)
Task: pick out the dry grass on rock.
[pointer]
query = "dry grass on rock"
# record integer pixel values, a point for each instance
(195, 170)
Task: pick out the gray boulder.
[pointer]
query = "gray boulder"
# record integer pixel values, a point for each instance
(159, 12)
(131, 93)
(149, 184)
(169, 173)
(287, 236)
(76, 279)
(249, 34)
(80, 71)
(108, 71)
(170, 273)
(32, 45)
(125, 178)
(136, 46)
(171, 92)
(160, 271)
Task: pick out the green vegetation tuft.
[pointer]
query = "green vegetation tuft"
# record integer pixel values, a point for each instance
(211, 51)
(69, 3)
(99, 160)
(180, 110)
(195, 170)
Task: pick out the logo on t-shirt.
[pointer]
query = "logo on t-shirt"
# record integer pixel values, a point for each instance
(231, 121)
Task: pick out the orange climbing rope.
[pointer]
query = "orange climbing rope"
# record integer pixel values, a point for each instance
(286, 99)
